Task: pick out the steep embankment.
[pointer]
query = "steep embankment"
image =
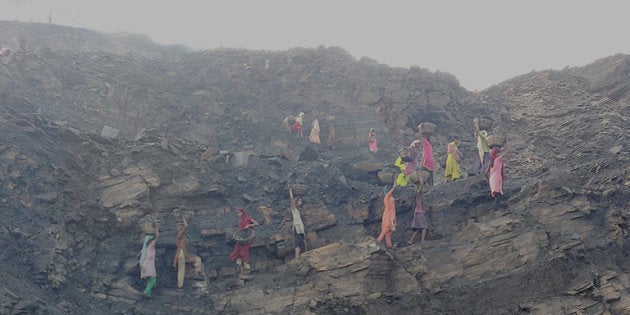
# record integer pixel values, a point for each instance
(202, 132)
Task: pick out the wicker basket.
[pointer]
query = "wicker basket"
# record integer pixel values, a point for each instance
(405, 154)
(387, 177)
(427, 128)
(299, 189)
(149, 227)
(484, 123)
(417, 175)
(243, 236)
(496, 140)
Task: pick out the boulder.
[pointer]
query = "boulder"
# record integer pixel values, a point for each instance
(369, 166)
(110, 132)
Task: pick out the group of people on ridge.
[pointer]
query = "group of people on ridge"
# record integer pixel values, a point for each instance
(417, 161)
(182, 256)
(239, 255)
(418, 167)
(296, 124)
(416, 164)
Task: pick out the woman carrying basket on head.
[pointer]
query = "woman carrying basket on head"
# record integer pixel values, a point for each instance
(372, 145)
(496, 175)
(452, 171)
(240, 254)
(147, 260)
(297, 125)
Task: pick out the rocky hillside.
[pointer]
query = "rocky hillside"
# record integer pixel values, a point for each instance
(99, 133)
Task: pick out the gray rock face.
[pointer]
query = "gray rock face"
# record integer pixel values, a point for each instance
(203, 133)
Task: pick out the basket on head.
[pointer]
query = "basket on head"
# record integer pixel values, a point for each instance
(330, 117)
(405, 154)
(243, 236)
(299, 189)
(387, 177)
(419, 176)
(149, 227)
(496, 140)
(427, 128)
(179, 219)
(484, 123)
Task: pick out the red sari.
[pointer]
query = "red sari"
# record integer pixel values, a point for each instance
(241, 250)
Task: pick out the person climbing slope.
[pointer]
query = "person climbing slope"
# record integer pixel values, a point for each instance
(401, 179)
(419, 222)
(483, 149)
(372, 145)
(388, 221)
(298, 225)
(287, 122)
(331, 134)
(297, 125)
(426, 163)
(240, 254)
(413, 164)
(496, 175)
(182, 256)
(314, 136)
(147, 261)
(452, 171)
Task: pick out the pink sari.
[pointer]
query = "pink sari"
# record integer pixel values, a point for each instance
(496, 176)
(147, 269)
(372, 143)
(427, 155)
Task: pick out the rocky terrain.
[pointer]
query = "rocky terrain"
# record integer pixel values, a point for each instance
(101, 130)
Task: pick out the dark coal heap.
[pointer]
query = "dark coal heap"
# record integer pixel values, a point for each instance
(101, 130)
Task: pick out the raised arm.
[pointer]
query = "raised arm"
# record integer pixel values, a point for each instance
(253, 224)
(504, 152)
(291, 196)
(182, 231)
(457, 152)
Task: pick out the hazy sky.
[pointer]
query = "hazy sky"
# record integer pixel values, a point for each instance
(481, 42)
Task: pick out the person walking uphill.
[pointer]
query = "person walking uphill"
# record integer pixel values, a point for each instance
(240, 254)
(496, 174)
(419, 222)
(298, 225)
(331, 135)
(181, 254)
(297, 125)
(483, 149)
(388, 222)
(372, 141)
(287, 122)
(427, 162)
(452, 171)
(314, 136)
(147, 261)
(412, 165)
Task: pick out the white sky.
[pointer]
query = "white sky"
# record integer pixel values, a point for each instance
(481, 42)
